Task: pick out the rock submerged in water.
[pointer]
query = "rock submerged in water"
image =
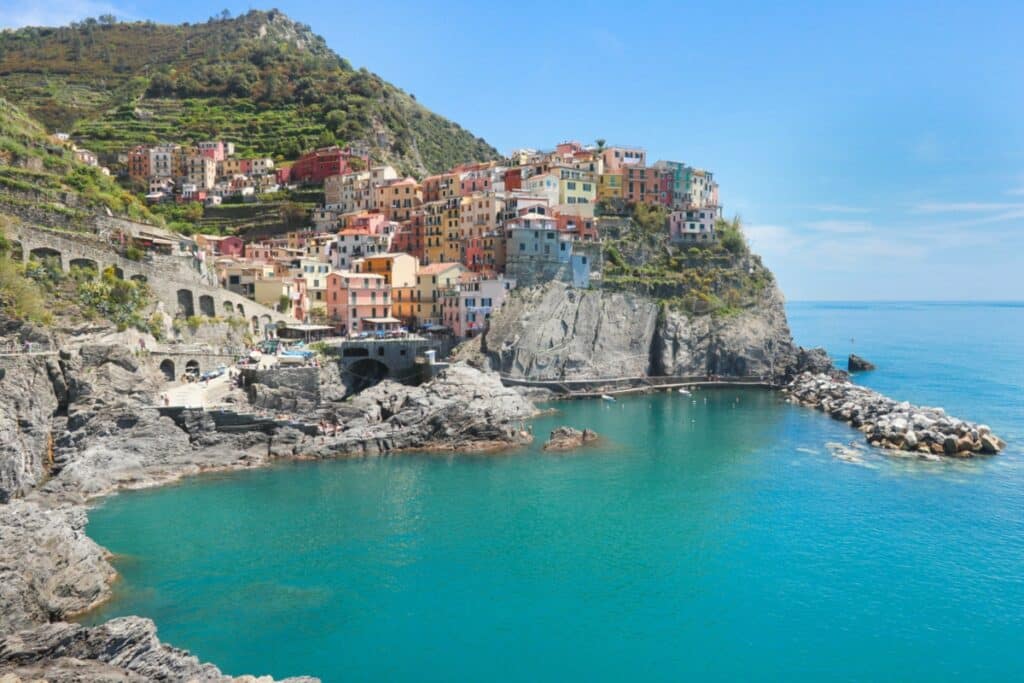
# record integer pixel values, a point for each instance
(893, 425)
(857, 364)
(567, 438)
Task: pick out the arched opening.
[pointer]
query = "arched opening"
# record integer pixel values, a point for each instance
(47, 255)
(255, 325)
(118, 273)
(139, 278)
(186, 303)
(85, 265)
(16, 251)
(206, 306)
(363, 374)
(241, 310)
(192, 370)
(229, 307)
(167, 367)
(265, 320)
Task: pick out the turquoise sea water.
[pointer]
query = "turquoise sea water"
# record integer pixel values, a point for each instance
(713, 539)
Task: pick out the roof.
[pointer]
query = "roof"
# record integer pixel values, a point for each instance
(349, 274)
(435, 268)
(533, 216)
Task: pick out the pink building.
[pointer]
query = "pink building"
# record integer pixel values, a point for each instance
(694, 225)
(212, 149)
(353, 298)
(475, 181)
(370, 221)
(216, 245)
(478, 296)
(300, 298)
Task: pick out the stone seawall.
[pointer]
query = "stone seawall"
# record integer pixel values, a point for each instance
(890, 424)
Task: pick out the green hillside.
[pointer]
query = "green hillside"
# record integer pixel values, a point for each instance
(37, 170)
(260, 80)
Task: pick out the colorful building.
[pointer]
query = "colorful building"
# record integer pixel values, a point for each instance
(621, 158)
(398, 199)
(478, 297)
(693, 225)
(431, 282)
(317, 165)
(353, 298)
(609, 185)
(575, 186)
(644, 184)
(398, 270)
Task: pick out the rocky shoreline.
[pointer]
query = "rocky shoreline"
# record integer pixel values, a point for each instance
(890, 424)
(82, 425)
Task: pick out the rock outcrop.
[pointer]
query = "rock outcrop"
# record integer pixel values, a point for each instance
(83, 424)
(568, 438)
(461, 409)
(555, 332)
(891, 424)
(857, 364)
(126, 649)
(49, 568)
(31, 391)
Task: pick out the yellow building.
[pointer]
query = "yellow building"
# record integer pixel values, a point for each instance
(575, 186)
(431, 283)
(270, 291)
(437, 217)
(403, 304)
(398, 199)
(609, 185)
(480, 213)
(230, 167)
(397, 269)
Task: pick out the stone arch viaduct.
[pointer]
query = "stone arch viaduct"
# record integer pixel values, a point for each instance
(172, 279)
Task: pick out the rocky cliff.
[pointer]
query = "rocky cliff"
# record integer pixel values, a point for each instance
(83, 423)
(555, 332)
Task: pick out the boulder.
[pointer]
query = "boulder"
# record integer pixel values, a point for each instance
(567, 438)
(989, 443)
(857, 364)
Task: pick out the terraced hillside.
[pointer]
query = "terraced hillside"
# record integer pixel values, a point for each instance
(39, 171)
(260, 80)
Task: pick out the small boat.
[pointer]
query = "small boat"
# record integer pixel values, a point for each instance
(684, 391)
(606, 397)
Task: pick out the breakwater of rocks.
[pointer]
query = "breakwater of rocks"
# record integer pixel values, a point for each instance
(891, 424)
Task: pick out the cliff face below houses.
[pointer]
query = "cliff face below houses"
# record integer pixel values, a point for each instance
(555, 332)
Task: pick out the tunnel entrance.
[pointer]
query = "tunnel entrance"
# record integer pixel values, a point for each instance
(167, 367)
(364, 373)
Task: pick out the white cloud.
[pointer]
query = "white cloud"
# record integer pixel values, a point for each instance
(54, 12)
(776, 243)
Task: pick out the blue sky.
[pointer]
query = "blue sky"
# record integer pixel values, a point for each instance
(873, 152)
